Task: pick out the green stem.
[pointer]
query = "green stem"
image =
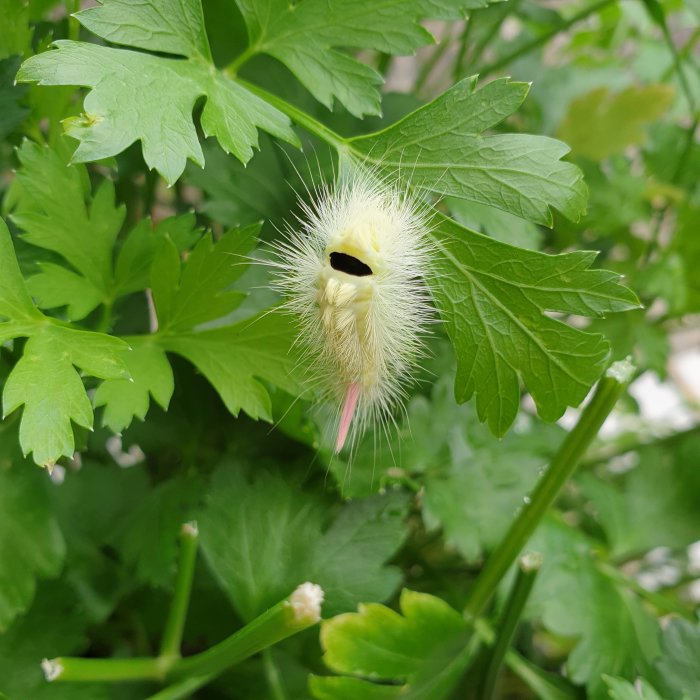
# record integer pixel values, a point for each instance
(430, 63)
(658, 15)
(299, 116)
(105, 322)
(462, 49)
(544, 685)
(242, 58)
(543, 38)
(687, 149)
(628, 444)
(684, 52)
(562, 466)
(72, 6)
(659, 601)
(278, 623)
(291, 615)
(175, 624)
(503, 11)
(527, 573)
(66, 668)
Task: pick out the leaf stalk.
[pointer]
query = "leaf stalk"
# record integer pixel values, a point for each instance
(561, 468)
(175, 624)
(528, 569)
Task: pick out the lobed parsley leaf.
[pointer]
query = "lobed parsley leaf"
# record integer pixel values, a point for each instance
(614, 633)
(655, 504)
(495, 299)
(264, 537)
(306, 36)
(620, 689)
(441, 147)
(200, 293)
(150, 374)
(138, 96)
(45, 380)
(52, 204)
(423, 651)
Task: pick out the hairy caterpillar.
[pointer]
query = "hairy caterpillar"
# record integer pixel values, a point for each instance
(354, 275)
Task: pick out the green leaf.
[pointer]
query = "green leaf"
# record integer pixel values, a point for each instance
(11, 113)
(149, 540)
(680, 650)
(31, 543)
(56, 286)
(424, 649)
(574, 599)
(442, 149)
(162, 26)
(93, 506)
(238, 195)
(200, 293)
(265, 537)
(236, 358)
(233, 358)
(47, 384)
(50, 203)
(305, 37)
(473, 487)
(150, 374)
(45, 380)
(132, 268)
(496, 223)
(657, 503)
(54, 625)
(620, 689)
(15, 32)
(602, 123)
(494, 298)
(15, 302)
(686, 246)
(137, 96)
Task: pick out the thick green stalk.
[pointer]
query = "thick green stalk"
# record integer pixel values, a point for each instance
(299, 611)
(529, 567)
(175, 624)
(562, 466)
(72, 6)
(67, 668)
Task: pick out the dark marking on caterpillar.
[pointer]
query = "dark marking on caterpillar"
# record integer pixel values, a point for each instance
(350, 265)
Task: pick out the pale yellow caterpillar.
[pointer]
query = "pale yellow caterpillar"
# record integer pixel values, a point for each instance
(354, 275)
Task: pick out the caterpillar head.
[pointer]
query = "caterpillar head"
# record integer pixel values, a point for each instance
(364, 232)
